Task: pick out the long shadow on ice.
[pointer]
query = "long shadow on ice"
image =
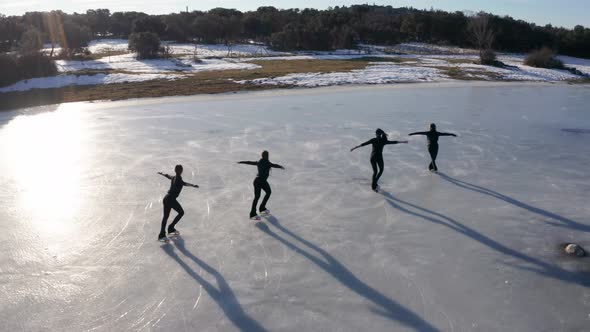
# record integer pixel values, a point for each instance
(562, 221)
(534, 264)
(385, 306)
(222, 294)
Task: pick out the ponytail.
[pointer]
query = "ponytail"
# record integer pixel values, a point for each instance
(380, 133)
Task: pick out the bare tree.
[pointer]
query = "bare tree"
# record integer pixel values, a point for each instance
(31, 41)
(167, 51)
(231, 33)
(484, 36)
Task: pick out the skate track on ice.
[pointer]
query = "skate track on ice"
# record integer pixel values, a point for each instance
(474, 248)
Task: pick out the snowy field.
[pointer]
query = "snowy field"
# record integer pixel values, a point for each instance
(105, 46)
(128, 62)
(63, 80)
(421, 63)
(474, 248)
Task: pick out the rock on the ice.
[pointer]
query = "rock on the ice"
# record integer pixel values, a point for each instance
(573, 249)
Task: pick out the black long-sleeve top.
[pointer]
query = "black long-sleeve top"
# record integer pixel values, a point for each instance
(176, 185)
(378, 144)
(264, 167)
(432, 136)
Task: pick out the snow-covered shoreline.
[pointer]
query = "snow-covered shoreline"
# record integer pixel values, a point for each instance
(410, 62)
(302, 90)
(61, 81)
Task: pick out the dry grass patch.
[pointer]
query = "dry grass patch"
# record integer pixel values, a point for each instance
(308, 66)
(585, 80)
(457, 73)
(156, 88)
(209, 82)
(462, 61)
(383, 59)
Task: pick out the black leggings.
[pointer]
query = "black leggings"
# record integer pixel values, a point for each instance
(169, 204)
(433, 150)
(259, 185)
(377, 164)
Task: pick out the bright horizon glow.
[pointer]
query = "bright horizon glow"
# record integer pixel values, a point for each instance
(567, 13)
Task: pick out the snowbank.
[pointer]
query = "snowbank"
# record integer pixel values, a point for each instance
(426, 64)
(422, 48)
(203, 50)
(128, 62)
(67, 80)
(582, 65)
(216, 50)
(378, 73)
(523, 73)
(108, 45)
(422, 68)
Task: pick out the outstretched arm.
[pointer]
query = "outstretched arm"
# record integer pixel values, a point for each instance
(364, 144)
(165, 175)
(190, 185)
(447, 134)
(253, 163)
(418, 133)
(276, 166)
(396, 142)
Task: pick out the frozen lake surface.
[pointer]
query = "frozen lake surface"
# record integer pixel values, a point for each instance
(474, 248)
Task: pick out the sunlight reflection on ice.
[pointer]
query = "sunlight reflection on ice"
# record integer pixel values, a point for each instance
(47, 155)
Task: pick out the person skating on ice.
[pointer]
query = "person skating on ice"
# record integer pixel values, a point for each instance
(432, 141)
(261, 183)
(377, 154)
(170, 202)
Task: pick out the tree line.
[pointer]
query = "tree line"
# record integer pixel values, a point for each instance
(288, 29)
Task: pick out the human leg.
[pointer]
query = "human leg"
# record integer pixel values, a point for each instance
(266, 187)
(167, 208)
(178, 208)
(433, 150)
(257, 189)
(380, 166)
(375, 171)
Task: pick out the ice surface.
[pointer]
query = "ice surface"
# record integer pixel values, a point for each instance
(475, 248)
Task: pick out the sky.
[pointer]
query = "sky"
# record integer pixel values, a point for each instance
(567, 13)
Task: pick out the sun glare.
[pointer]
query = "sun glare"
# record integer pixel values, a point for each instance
(44, 159)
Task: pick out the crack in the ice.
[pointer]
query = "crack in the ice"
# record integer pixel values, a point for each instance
(198, 297)
(122, 230)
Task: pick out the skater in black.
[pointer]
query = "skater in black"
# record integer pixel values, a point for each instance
(170, 202)
(261, 183)
(377, 154)
(432, 140)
